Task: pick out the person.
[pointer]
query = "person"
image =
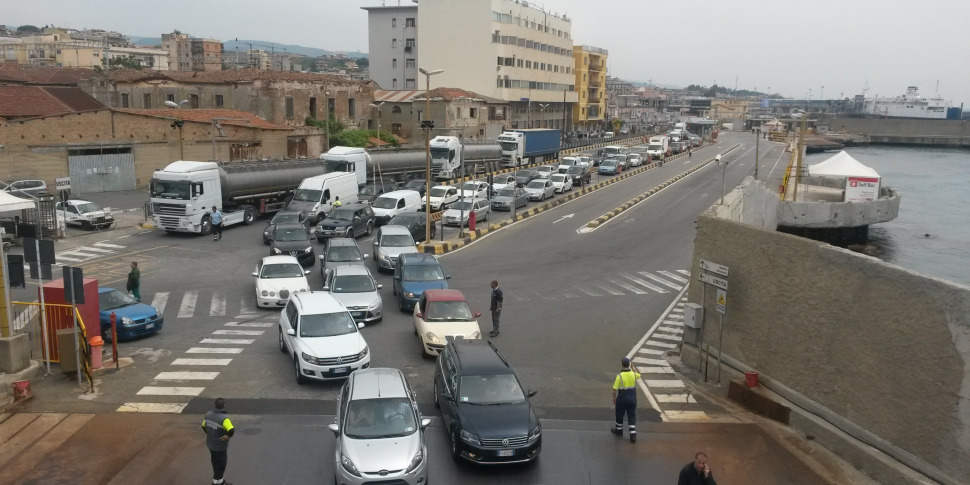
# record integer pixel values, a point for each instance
(625, 399)
(718, 159)
(134, 281)
(363, 416)
(495, 307)
(218, 430)
(216, 220)
(690, 151)
(336, 201)
(696, 472)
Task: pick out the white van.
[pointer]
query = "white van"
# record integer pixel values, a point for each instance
(393, 203)
(567, 162)
(315, 195)
(608, 134)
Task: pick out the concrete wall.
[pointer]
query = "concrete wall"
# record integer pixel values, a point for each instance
(902, 131)
(886, 348)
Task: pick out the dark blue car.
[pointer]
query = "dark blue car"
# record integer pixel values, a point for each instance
(414, 273)
(133, 319)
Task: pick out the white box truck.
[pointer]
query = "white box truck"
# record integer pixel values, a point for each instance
(658, 148)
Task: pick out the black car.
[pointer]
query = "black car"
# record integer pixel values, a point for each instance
(293, 240)
(370, 192)
(285, 217)
(580, 174)
(420, 185)
(415, 222)
(349, 220)
(485, 411)
(524, 176)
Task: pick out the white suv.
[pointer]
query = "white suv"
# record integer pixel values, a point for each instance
(320, 335)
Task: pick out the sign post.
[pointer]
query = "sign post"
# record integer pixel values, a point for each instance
(720, 282)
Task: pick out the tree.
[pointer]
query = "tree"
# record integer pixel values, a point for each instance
(712, 92)
(123, 63)
(28, 30)
(363, 62)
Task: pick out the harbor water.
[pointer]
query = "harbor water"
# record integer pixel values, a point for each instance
(932, 233)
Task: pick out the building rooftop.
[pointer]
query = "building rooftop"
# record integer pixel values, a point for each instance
(12, 73)
(207, 115)
(221, 77)
(437, 94)
(34, 101)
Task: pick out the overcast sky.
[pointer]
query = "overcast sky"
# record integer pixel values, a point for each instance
(791, 47)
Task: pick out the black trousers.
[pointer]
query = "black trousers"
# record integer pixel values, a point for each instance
(630, 410)
(217, 229)
(219, 460)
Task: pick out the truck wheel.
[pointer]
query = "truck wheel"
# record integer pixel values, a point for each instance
(249, 216)
(206, 227)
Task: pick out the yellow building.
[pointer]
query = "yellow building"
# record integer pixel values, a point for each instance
(590, 68)
(723, 109)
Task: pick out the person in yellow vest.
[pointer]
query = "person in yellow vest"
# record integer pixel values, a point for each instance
(625, 399)
(218, 430)
(336, 201)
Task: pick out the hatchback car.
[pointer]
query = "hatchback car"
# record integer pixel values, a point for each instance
(505, 198)
(278, 277)
(389, 244)
(321, 338)
(440, 314)
(26, 189)
(380, 431)
(540, 189)
(502, 181)
(132, 318)
(609, 167)
(416, 222)
(413, 274)
(458, 214)
(524, 176)
(340, 251)
(634, 159)
(561, 182)
(284, 217)
(87, 214)
(349, 220)
(485, 411)
(546, 170)
(355, 288)
(580, 175)
(474, 190)
(442, 196)
(294, 240)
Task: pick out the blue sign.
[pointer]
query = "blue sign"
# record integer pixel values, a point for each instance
(523, 99)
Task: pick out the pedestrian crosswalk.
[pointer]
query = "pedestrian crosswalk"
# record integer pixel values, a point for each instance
(84, 253)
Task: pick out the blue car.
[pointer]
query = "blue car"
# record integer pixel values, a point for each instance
(133, 319)
(414, 273)
(609, 167)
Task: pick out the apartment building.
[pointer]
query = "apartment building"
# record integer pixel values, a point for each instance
(187, 53)
(393, 45)
(590, 66)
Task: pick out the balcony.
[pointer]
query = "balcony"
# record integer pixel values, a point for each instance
(596, 67)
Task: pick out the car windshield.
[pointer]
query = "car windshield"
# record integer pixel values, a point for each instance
(574, 170)
(170, 189)
(506, 193)
(439, 191)
(558, 178)
(545, 168)
(353, 283)
(608, 163)
(342, 254)
(371, 190)
(417, 184)
(523, 173)
(286, 218)
(567, 162)
(462, 206)
(400, 220)
(286, 270)
(470, 186)
(327, 324)
(291, 235)
(396, 240)
(423, 272)
(307, 195)
(341, 215)
(87, 207)
(113, 299)
(537, 184)
(448, 311)
(380, 418)
(490, 389)
(385, 203)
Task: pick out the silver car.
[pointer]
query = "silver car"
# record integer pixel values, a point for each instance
(380, 430)
(354, 288)
(540, 189)
(391, 242)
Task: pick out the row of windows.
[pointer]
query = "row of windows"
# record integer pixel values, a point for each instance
(408, 63)
(146, 100)
(220, 102)
(542, 66)
(507, 18)
(408, 44)
(498, 38)
(409, 83)
(505, 82)
(408, 22)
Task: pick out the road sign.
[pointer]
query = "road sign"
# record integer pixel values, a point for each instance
(714, 280)
(721, 303)
(714, 267)
(62, 183)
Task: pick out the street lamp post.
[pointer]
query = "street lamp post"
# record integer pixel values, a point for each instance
(428, 124)
(178, 124)
(757, 148)
(378, 106)
(327, 121)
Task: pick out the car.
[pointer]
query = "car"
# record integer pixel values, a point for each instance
(370, 192)
(416, 222)
(695, 140)
(502, 181)
(540, 189)
(584, 160)
(441, 313)
(379, 430)
(84, 213)
(278, 277)
(321, 338)
(621, 162)
(420, 185)
(26, 189)
(524, 176)
(340, 251)
(442, 196)
(294, 240)
(545, 171)
(413, 274)
(580, 175)
(284, 217)
(355, 288)
(565, 163)
(634, 159)
(484, 408)
(475, 189)
(349, 220)
(609, 167)
(503, 200)
(132, 318)
(389, 244)
(561, 182)
(457, 215)
(595, 160)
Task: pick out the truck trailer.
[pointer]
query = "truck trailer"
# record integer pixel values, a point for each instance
(522, 147)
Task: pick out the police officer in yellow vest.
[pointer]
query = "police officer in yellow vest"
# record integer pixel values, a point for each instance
(625, 399)
(336, 201)
(218, 429)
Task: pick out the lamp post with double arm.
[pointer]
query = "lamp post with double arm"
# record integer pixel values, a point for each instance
(427, 124)
(178, 123)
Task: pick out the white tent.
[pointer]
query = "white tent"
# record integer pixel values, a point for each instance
(861, 182)
(13, 203)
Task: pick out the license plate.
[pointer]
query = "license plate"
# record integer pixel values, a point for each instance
(357, 314)
(505, 452)
(149, 326)
(341, 370)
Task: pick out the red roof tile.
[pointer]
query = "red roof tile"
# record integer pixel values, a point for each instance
(12, 73)
(207, 115)
(33, 101)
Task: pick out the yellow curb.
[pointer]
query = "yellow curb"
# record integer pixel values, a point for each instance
(146, 225)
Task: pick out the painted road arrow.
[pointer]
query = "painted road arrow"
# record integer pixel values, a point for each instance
(567, 216)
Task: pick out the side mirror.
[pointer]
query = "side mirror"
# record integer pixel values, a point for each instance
(447, 396)
(366, 255)
(375, 243)
(290, 332)
(320, 257)
(417, 313)
(360, 324)
(306, 272)
(425, 422)
(325, 288)
(336, 429)
(447, 276)
(530, 393)
(478, 314)
(380, 286)
(255, 273)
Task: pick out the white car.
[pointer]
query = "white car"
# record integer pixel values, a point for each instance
(354, 288)
(457, 215)
(567, 162)
(475, 190)
(584, 160)
(502, 181)
(561, 182)
(86, 214)
(442, 196)
(545, 171)
(391, 242)
(278, 277)
(321, 338)
(540, 189)
(634, 159)
(440, 314)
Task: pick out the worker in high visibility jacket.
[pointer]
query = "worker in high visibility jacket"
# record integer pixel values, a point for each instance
(625, 399)
(218, 429)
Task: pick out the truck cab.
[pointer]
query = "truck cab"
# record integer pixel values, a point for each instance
(348, 159)
(511, 143)
(182, 195)
(445, 157)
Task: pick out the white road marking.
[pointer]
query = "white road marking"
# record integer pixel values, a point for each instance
(673, 338)
(651, 351)
(655, 370)
(186, 376)
(96, 250)
(665, 383)
(675, 415)
(664, 345)
(218, 307)
(214, 350)
(676, 398)
(632, 288)
(672, 329)
(684, 272)
(588, 292)
(69, 258)
(239, 332)
(644, 283)
(250, 324)
(151, 407)
(109, 245)
(663, 281)
(229, 341)
(159, 301)
(609, 290)
(570, 295)
(184, 361)
(188, 304)
(170, 391)
(247, 306)
(675, 277)
(645, 361)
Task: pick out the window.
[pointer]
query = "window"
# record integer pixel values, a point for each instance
(393, 22)
(394, 43)
(220, 101)
(408, 45)
(396, 109)
(289, 106)
(457, 112)
(394, 83)
(193, 100)
(473, 113)
(420, 117)
(518, 63)
(147, 100)
(170, 97)
(352, 107)
(409, 84)
(409, 22)
(124, 100)
(313, 106)
(409, 63)
(394, 63)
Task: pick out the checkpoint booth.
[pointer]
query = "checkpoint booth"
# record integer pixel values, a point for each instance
(60, 321)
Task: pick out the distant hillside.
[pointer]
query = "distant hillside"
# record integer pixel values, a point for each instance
(244, 45)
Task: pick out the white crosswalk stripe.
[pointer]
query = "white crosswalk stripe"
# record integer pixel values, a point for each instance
(214, 350)
(218, 308)
(609, 290)
(225, 341)
(104, 244)
(644, 283)
(152, 407)
(188, 304)
(663, 282)
(170, 391)
(675, 277)
(239, 332)
(184, 361)
(186, 376)
(159, 301)
(627, 287)
(250, 324)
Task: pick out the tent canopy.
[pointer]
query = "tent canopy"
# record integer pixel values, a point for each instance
(841, 165)
(12, 203)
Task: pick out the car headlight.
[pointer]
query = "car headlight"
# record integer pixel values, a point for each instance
(272, 293)
(431, 337)
(410, 294)
(307, 357)
(349, 465)
(126, 321)
(277, 251)
(109, 216)
(308, 249)
(415, 461)
(476, 335)
(265, 233)
(535, 434)
(383, 257)
(374, 305)
(303, 290)
(470, 438)
(264, 293)
(363, 353)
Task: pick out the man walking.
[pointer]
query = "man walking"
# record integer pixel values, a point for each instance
(625, 399)
(496, 307)
(696, 472)
(218, 429)
(134, 281)
(216, 219)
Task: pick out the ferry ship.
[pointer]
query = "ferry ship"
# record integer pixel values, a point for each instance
(910, 105)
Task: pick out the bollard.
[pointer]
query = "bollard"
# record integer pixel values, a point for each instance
(471, 218)
(114, 339)
(96, 344)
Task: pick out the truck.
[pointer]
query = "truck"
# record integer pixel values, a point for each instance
(658, 148)
(183, 193)
(523, 147)
(348, 159)
(445, 157)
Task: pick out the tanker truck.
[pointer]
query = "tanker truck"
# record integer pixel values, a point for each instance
(522, 147)
(183, 193)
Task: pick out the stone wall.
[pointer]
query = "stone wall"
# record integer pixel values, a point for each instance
(898, 127)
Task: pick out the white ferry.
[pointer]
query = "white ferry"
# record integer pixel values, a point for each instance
(909, 105)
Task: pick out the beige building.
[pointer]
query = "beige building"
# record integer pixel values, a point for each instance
(723, 109)
(187, 53)
(590, 67)
(466, 114)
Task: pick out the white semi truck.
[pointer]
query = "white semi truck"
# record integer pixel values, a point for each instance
(348, 159)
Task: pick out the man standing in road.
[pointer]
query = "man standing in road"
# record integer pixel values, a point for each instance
(134, 281)
(218, 429)
(216, 219)
(696, 472)
(625, 399)
(496, 307)
(336, 201)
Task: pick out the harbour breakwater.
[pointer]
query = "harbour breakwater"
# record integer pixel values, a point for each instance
(889, 131)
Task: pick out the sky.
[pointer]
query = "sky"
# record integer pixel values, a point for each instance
(822, 48)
